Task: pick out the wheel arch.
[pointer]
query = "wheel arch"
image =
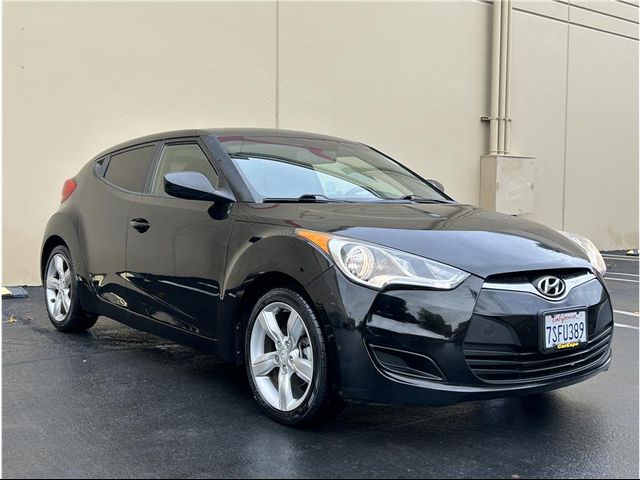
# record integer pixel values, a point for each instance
(256, 288)
(255, 267)
(261, 285)
(49, 244)
(61, 230)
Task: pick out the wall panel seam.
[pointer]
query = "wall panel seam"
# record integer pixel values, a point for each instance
(566, 122)
(576, 24)
(627, 3)
(573, 5)
(621, 35)
(277, 59)
(542, 15)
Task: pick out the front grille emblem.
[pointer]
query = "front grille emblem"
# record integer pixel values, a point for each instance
(552, 287)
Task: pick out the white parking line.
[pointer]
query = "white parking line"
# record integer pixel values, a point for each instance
(625, 274)
(623, 312)
(616, 257)
(622, 280)
(622, 325)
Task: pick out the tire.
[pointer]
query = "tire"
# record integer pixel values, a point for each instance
(309, 401)
(62, 296)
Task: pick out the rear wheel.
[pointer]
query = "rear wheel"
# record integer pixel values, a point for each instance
(286, 358)
(61, 294)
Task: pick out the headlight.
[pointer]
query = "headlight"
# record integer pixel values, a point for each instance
(590, 249)
(378, 267)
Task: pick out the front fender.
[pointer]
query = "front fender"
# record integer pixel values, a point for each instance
(273, 252)
(254, 251)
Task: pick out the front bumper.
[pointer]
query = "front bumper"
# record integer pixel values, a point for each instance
(422, 347)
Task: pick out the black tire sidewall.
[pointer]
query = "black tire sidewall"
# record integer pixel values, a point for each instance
(76, 319)
(317, 397)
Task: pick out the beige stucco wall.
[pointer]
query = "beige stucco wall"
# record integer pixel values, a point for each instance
(539, 80)
(81, 77)
(400, 76)
(411, 78)
(602, 138)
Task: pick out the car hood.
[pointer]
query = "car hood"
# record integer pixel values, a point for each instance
(478, 241)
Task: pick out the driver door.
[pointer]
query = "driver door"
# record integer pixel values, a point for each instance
(176, 249)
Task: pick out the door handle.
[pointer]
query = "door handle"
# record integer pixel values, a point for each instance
(140, 224)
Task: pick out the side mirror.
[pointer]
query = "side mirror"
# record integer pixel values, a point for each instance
(194, 186)
(437, 184)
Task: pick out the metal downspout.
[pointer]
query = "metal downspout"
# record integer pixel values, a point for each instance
(500, 119)
(507, 101)
(495, 79)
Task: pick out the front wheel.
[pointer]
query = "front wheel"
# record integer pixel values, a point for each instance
(286, 358)
(61, 294)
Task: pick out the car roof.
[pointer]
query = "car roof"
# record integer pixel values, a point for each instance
(221, 132)
(273, 132)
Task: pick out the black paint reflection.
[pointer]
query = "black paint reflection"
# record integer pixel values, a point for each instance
(185, 302)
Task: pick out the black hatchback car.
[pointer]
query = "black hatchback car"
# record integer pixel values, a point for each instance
(328, 269)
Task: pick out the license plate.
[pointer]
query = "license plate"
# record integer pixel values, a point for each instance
(564, 330)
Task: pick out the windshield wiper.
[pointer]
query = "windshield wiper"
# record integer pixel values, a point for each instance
(419, 199)
(305, 198)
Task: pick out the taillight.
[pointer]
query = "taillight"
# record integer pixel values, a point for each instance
(68, 188)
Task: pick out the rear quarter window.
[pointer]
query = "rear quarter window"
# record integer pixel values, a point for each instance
(128, 170)
(98, 167)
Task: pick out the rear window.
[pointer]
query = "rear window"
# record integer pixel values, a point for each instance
(129, 170)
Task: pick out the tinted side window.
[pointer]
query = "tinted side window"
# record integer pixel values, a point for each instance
(128, 170)
(98, 167)
(187, 157)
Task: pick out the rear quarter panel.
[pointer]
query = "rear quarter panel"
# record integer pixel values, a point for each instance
(64, 224)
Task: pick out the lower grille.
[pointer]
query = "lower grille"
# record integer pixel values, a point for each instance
(504, 364)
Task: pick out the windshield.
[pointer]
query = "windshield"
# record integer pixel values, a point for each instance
(289, 168)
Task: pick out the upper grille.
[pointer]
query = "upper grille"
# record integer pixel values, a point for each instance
(503, 364)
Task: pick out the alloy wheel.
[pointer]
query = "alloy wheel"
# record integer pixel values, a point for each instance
(281, 356)
(58, 287)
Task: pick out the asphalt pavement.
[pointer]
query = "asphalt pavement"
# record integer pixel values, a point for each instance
(115, 402)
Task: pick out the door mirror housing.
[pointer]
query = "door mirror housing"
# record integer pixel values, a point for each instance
(436, 183)
(194, 186)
